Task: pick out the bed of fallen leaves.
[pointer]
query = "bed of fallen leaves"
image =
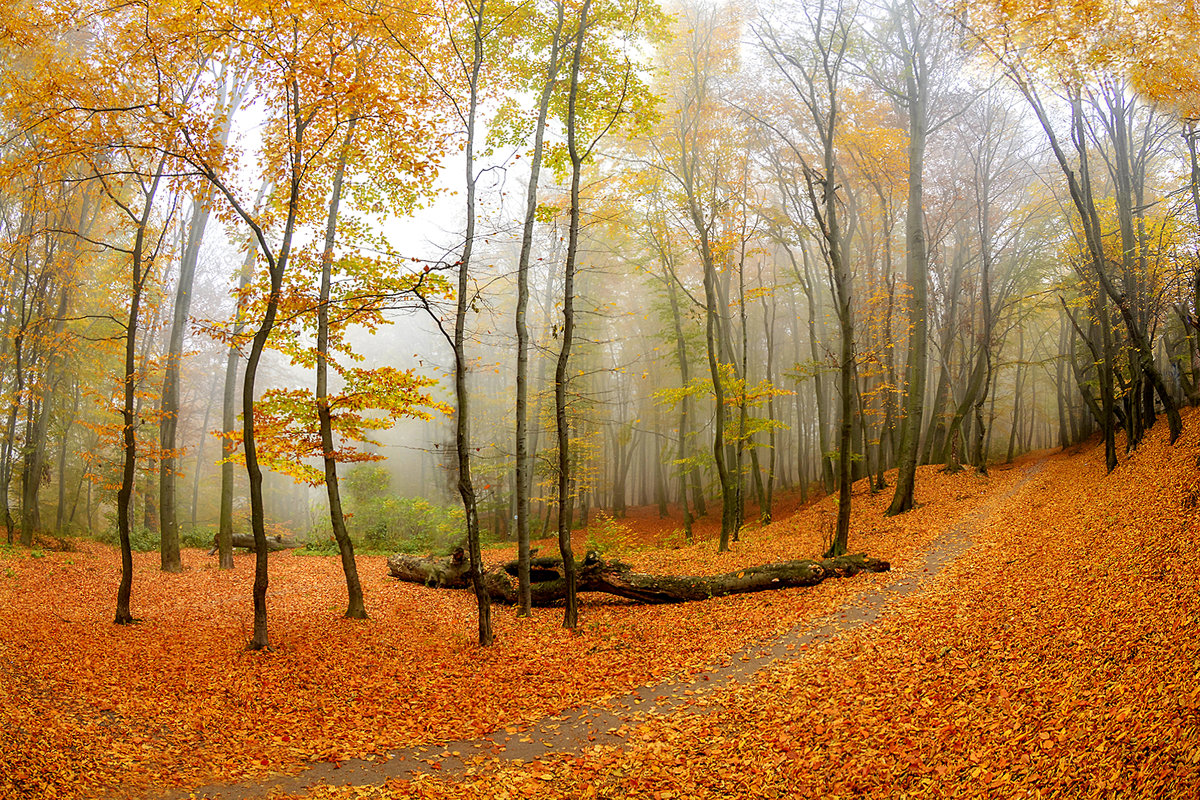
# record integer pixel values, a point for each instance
(1058, 658)
(90, 709)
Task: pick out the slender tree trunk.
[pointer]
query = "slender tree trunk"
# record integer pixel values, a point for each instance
(60, 518)
(199, 467)
(128, 433)
(571, 611)
(228, 421)
(229, 406)
(35, 449)
(466, 489)
(1078, 179)
(685, 401)
(277, 266)
(524, 465)
(169, 404)
(355, 609)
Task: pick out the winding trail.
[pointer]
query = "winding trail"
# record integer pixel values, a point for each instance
(607, 723)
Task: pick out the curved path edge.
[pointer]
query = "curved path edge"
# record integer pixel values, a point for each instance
(605, 723)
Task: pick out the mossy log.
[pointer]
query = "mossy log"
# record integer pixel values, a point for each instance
(246, 540)
(595, 574)
(453, 571)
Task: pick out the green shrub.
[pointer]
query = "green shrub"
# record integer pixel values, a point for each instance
(141, 538)
(202, 537)
(381, 522)
(606, 535)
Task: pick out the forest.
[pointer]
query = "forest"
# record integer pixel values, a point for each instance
(327, 325)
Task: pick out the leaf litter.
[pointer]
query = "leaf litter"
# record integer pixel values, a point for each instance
(1057, 657)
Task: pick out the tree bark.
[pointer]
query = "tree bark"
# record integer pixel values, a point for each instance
(355, 607)
(466, 489)
(571, 613)
(524, 462)
(548, 583)
(246, 540)
(916, 274)
(138, 271)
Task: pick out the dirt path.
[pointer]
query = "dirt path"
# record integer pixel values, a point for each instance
(606, 723)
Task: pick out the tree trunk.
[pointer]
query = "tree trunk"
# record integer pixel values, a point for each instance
(199, 468)
(571, 612)
(917, 276)
(355, 608)
(129, 439)
(524, 465)
(466, 489)
(549, 582)
(274, 544)
(231, 94)
(169, 404)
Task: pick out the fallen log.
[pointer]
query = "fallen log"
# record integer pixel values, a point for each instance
(594, 574)
(453, 571)
(246, 540)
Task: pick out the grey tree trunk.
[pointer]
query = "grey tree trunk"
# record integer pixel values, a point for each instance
(916, 273)
(230, 98)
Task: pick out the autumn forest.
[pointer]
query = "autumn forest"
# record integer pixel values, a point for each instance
(599, 398)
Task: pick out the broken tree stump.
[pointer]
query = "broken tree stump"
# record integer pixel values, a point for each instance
(595, 574)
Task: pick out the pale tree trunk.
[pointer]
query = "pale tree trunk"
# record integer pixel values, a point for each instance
(681, 356)
(765, 514)
(230, 98)
(199, 467)
(169, 404)
(60, 515)
(35, 449)
(916, 275)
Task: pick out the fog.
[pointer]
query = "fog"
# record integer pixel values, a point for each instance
(813, 247)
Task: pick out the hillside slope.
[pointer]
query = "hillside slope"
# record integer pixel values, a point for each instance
(1058, 657)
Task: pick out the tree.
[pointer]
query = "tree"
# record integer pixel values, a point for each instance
(612, 96)
(687, 150)
(228, 100)
(1081, 65)
(918, 38)
(811, 61)
(307, 73)
(523, 461)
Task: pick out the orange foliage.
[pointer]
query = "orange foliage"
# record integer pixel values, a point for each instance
(1057, 654)
(1057, 658)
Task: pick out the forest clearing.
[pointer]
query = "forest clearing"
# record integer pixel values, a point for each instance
(1056, 656)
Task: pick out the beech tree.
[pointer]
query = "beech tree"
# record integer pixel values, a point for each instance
(811, 59)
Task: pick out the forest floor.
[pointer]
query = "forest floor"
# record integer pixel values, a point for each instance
(1055, 653)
